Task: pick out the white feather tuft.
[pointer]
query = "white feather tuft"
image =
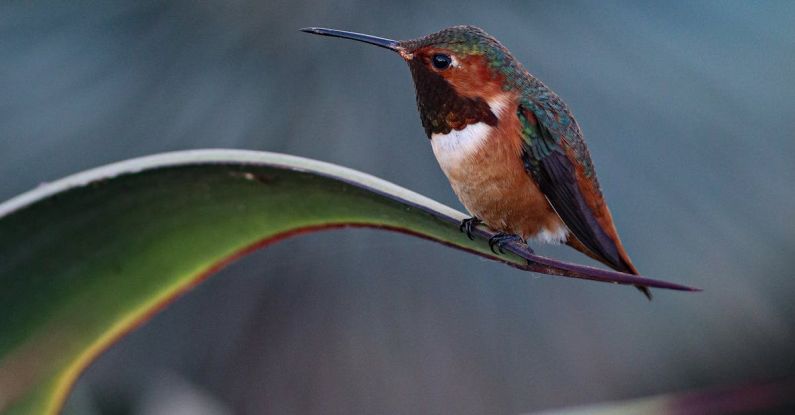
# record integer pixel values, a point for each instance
(555, 237)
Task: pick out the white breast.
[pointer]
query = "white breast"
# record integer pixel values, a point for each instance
(456, 147)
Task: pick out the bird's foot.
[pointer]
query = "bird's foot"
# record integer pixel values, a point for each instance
(467, 225)
(501, 239)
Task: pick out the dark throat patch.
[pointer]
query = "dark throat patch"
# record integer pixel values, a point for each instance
(441, 108)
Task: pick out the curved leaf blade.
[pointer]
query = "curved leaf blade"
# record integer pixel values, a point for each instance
(88, 258)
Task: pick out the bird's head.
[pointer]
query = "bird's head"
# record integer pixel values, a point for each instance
(461, 74)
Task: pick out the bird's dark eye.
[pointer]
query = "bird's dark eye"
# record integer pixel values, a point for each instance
(441, 61)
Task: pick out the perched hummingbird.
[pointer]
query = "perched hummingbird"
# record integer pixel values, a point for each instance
(510, 147)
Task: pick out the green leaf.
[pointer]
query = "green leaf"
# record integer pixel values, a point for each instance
(88, 258)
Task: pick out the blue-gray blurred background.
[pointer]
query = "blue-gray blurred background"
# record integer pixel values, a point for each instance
(688, 108)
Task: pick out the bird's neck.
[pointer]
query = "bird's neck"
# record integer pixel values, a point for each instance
(442, 108)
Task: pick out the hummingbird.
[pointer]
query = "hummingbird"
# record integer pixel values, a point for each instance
(509, 145)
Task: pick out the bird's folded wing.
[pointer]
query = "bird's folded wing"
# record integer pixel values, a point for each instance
(548, 158)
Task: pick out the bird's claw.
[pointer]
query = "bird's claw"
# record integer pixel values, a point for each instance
(501, 239)
(468, 224)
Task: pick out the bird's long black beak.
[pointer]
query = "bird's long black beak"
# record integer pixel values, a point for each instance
(390, 44)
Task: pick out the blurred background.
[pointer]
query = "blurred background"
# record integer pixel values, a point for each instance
(688, 108)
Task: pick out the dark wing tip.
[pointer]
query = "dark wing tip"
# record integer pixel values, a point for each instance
(645, 290)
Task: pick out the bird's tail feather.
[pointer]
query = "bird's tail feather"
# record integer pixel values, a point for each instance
(625, 265)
